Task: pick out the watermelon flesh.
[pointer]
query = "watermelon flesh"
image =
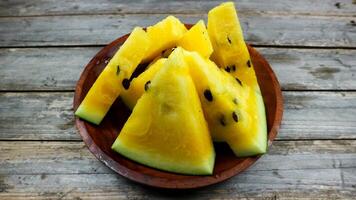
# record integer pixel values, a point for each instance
(164, 35)
(137, 86)
(197, 39)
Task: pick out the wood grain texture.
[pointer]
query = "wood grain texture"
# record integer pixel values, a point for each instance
(49, 116)
(66, 170)
(45, 156)
(40, 116)
(76, 7)
(313, 115)
(42, 68)
(293, 169)
(312, 69)
(281, 30)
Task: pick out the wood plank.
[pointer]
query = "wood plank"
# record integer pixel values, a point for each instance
(74, 157)
(313, 115)
(294, 169)
(48, 158)
(38, 116)
(28, 68)
(316, 69)
(49, 116)
(282, 30)
(296, 69)
(52, 7)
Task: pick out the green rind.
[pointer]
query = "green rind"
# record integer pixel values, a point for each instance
(155, 161)
(93, 117)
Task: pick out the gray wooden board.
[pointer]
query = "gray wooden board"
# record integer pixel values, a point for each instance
(291, 169)
(59, 157)
(60, 68)
(259, 29)
(53, 7)
(49, 116)
(42, 155)
(292, 184)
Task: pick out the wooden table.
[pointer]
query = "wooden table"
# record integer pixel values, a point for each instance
(44, 45)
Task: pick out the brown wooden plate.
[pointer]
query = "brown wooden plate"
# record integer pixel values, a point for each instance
(100, 138)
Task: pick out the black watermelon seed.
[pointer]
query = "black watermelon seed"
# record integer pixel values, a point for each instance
(118, 70)
(248, 63)
(126, 83)
(228, 39)
(222, 120)
(235, 117)
(147, 85)
(235, 101)
(238, 80)
(208, 95)
(233, 68)
(227, 69)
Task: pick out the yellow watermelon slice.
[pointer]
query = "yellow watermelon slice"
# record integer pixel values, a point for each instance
(114, 78)
(167, 129)
(233, 112)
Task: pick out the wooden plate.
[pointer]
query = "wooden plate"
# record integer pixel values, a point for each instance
(100, 138)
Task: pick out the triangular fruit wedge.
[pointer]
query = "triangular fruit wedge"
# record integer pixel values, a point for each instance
(167, 129)
(231, 109)
(137, 85)
(114, 78)
(231, 54)
(197, 39)
(230, 50)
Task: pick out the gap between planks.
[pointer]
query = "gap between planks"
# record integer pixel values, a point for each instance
(308, 116)
(296, 69)
(277, 139)
(289, 167)
(101, 29)
(281, 14)
(253, 45)
(332, 8)
(283, 90)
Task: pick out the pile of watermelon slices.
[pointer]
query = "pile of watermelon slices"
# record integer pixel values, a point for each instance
(199, 87)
